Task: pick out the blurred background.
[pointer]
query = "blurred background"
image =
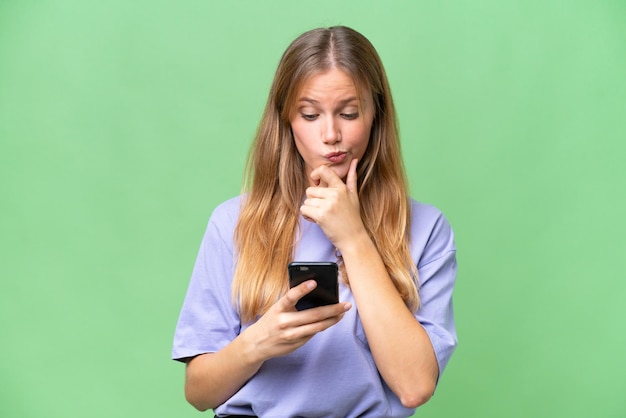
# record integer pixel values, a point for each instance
(124, 123)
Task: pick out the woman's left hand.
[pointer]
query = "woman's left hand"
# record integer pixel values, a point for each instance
(334, 205)
(400, 346)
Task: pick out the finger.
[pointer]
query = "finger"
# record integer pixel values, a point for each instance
(336, 309)
(324, 175)
(313, 207)
(315, 193)
(325, 312)
(314, 320)
(308, 213)
(288, 302)
(316, 179)
(309, 329)
(351, 178)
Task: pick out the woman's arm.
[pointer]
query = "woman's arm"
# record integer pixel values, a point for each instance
(400, 346)
(213, 378)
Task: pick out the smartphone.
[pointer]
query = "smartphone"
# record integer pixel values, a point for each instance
(326, 276)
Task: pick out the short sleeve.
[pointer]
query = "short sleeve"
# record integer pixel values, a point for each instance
(437, 269)
(208, 320)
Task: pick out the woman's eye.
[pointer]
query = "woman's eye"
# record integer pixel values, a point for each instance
(350, 116)
(309, 116)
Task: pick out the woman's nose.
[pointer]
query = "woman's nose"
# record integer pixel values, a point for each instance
(331, 132)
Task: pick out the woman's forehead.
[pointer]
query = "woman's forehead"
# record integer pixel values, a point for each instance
(333, 81)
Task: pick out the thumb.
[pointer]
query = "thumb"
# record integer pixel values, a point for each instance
(351, 177)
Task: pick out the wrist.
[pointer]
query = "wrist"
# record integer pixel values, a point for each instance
(249, 354)
(355, 242)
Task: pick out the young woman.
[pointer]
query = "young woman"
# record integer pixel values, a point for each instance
(325, 183)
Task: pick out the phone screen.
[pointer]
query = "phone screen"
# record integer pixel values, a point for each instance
(326, 276)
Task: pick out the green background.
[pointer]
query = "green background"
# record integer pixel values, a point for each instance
(124, 123)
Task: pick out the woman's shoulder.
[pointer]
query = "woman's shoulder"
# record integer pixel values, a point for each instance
(426, 213)
(430, 229)
(227, 212)
(229, 205)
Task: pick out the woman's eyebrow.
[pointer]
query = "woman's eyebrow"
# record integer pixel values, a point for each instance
(341, 102)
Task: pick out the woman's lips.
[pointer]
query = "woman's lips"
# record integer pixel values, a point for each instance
(336, 157)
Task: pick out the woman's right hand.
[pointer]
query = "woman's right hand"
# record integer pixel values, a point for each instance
(283, 329)
(212, 378)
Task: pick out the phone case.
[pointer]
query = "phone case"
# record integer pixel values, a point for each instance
(326, 276)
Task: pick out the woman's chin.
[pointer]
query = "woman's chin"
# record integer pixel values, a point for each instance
(341, 171)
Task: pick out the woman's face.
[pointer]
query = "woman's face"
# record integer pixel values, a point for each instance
(329, 124)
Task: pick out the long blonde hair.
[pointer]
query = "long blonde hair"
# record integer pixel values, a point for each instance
(275, 181)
